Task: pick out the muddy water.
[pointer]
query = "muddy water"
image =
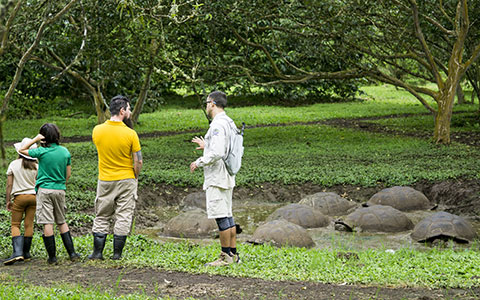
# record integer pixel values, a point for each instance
(251, 214)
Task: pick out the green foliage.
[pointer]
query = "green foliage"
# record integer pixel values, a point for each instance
(11, 289)
(406, 267)
(177, 118)
(321, 155)
(25, 106)
(464, 122)
(435, 268)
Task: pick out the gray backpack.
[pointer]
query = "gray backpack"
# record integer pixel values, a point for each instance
(233, 159)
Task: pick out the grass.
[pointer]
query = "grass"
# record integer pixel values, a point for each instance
(435, 268)
(463, 122)
(174, 119)
(12, 289)
(378, 101)
(322, 155)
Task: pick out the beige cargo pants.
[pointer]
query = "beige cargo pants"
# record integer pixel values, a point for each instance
(115, 199)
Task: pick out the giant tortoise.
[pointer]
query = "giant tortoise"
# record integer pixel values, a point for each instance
(191, 224)
(403, 198)
(194, 200)
(282, 233)
(443, 225)
(300, 214)
(330, 204)
(377, 218)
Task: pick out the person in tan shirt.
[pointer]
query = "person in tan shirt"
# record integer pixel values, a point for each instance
(21, 202)
(218, 183)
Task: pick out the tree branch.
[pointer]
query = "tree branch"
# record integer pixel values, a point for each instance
(421, 38)
(28, 53)
(473, 57)
(411, 89)
(8, 25)
(79, 53)
(261, 47)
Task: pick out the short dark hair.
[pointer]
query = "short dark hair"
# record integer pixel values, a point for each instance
(117, 103)
(219, 98)
(51, 133)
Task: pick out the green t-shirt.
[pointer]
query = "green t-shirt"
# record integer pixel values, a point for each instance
(52, 166)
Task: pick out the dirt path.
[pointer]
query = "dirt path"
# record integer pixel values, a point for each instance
(159, 283)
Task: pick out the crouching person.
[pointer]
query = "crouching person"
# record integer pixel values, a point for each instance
(117, 183)
(54, 170)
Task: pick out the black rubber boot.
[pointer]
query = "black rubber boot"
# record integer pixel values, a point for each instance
(17, 255)
(27, 244)
(118, 244)
(68, 243)
(49, 242)
(98, 245)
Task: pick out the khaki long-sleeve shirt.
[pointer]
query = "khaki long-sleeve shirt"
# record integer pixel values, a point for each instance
(217, 142)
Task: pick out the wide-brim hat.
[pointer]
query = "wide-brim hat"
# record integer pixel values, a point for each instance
(20, 145)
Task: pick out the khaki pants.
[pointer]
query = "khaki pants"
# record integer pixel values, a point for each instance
(115, 199)
(23, 204)
(50, 206)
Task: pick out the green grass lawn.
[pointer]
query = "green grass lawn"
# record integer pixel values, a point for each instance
(287, 155)
(11, 289)
(435, 268)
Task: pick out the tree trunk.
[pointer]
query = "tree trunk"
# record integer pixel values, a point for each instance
(460, 94)
(103, 113)
(146, 83)
(443, 117)
(4, 158)
(142, 96)
(473, 77)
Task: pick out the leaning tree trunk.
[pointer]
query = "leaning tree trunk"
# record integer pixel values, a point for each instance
(443, 117)
(460, 94)
(2, 145)
(142, 96)
(103, 113)
(154, 47)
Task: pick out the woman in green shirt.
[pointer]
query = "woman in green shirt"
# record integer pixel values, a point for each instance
(54, 170)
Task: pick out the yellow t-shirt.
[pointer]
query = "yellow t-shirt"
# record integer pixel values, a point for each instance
(115, 144)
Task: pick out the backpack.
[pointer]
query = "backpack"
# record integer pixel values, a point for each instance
(233, 159)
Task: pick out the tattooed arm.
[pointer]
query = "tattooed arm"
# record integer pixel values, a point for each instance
(137, 163)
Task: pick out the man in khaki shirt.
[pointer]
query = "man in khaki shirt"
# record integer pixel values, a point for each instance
(218, 183)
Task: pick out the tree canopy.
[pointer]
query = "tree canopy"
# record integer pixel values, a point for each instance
(290, 49)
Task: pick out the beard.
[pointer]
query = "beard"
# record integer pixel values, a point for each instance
(128, 122)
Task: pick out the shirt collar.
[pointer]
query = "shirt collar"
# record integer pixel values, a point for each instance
(115, 123)
(219, 115)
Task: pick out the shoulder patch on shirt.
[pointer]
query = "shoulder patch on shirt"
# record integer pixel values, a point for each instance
(216, 131)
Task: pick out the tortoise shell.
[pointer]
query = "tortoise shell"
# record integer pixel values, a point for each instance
(282, 233)
(300, 214)
(330, 204)
(378, 218)
(443, 225)
(400, 197)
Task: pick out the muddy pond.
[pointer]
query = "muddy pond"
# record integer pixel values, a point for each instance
(251, 214)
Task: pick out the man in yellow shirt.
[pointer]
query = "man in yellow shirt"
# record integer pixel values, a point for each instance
(117, 178)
